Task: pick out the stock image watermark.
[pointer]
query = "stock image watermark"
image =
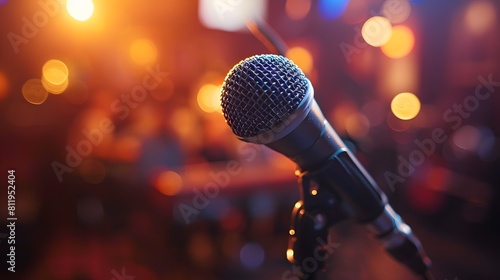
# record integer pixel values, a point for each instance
(31, 26)
(121, 275)
(222, 7)
(311, 264)
(391, 11)
(11, 219)
(121, 106)
(453, 116)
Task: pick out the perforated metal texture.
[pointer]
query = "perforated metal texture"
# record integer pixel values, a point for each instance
(260, 92)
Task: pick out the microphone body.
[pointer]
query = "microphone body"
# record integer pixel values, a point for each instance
(270, 93)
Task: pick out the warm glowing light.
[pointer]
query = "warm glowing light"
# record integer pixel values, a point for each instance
(376, 31)
(297, 9)
(291, 231)
(401, 42)
(80, 10)
(302, 57)
(480, 16)
(4, 85)
(143, 52)
(55, 76)
(34, 92)
(314, 192)
(405, 106)
(357, 125)
(396, 11)
(399, 75)
(209, 98)
(54, 88)
(230, 15)
(169, 183)
(55, 72)
(289, 255)
(298, 204)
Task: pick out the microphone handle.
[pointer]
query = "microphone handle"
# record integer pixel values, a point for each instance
(367, 204)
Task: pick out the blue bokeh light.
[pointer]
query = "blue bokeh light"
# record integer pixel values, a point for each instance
(332, 9)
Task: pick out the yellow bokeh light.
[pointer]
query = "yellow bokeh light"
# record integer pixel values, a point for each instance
(34, 92)
(376, 31)
(55, 72)
(290, 255)
(55, 88)
(209, 98)
(169, 183)
(143, 52)
(302, 57)
(405, 106)
(80, 10)
(401, 42)
(55, 76)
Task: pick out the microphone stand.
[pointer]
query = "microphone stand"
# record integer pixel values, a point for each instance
(322, 205)
(318, 209)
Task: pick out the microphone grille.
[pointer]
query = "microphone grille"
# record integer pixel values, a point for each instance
(260, 92)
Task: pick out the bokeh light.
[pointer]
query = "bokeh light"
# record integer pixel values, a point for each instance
(376, 31)
(143, 51)
(396, 11)
(297, 9)
(80, 10)
(169, 183)
(467, 138)
(401, 42)
(302, 57)
(480, 16)
(252, 255)
(398, 75)
(405, 106)
(209, 98)
(332, 9)
(4, 85)
(357, 125)
(34, 92)
(290, 255)
(55, 76)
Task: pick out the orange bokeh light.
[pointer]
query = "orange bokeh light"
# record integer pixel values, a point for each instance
(401, 42)
(169, 183)
(302, 57)
(4, 85)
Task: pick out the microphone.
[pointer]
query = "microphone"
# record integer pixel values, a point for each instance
(266, 99)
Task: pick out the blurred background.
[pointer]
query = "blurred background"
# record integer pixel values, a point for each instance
(125, 168)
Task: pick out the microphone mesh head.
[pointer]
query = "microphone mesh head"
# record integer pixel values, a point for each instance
(260, 92)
